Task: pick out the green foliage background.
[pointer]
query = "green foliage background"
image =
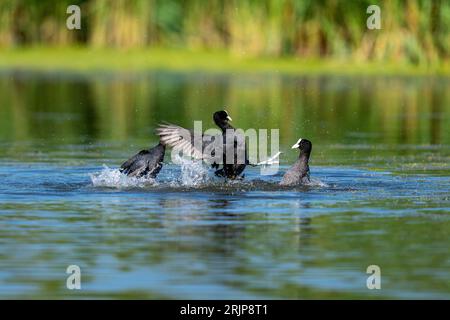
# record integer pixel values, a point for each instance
(413, 31)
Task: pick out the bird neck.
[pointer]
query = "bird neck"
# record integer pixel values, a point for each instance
(225, 126)
(302, 165)
(304, 156)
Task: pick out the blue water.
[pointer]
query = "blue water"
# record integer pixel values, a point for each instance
(377, 197)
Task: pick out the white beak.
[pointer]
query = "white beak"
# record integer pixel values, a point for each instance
(229, 118)
(297, 144)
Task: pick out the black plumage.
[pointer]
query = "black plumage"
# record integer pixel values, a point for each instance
(299, 172)
(185, 140)
(146, 163)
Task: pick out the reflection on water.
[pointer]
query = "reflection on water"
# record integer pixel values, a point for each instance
(326, 109)
(381, 154)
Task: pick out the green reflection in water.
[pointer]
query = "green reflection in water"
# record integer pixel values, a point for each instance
(325, 109)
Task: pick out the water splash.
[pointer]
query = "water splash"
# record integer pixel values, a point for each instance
(314, 182)
(189, 174)
(113, 178)
(193, 172)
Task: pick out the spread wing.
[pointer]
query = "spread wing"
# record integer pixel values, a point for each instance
(183, 139)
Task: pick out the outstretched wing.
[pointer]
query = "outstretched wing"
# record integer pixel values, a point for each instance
(185, 140)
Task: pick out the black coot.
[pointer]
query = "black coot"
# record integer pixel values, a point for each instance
(146, 163)
(299, 172)
(184, 139)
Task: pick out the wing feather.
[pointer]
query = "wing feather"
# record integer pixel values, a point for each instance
(182, 139)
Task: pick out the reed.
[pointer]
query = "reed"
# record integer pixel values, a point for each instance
(413, 31)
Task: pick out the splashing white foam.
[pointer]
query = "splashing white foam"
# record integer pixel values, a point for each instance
(314, 182)
(193, 172)
(113, 178)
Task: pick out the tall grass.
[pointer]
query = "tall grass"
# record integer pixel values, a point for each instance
(413, 31)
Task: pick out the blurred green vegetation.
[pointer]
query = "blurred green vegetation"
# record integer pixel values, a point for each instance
(87, 60)
(414, 32)
(332, 110)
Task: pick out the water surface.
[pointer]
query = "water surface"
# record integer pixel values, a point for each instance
(380, 166)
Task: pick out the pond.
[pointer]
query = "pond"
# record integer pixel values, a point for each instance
(381, 193)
